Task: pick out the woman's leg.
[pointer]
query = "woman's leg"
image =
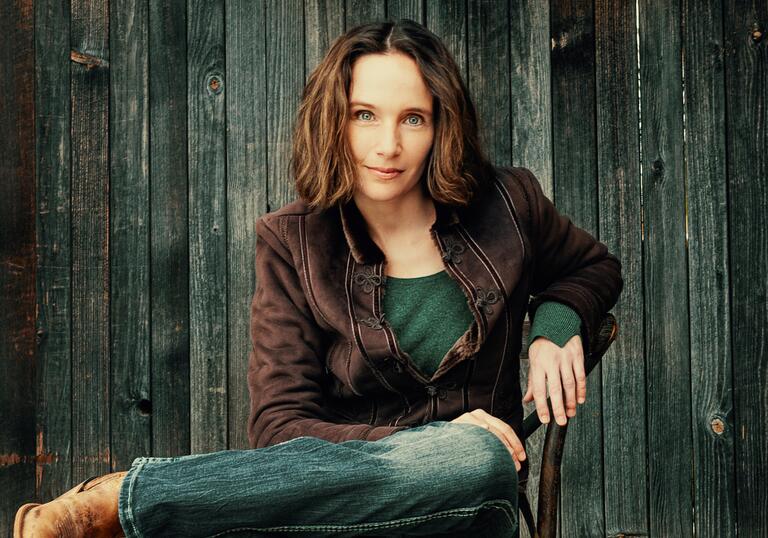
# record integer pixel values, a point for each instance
(441, 477)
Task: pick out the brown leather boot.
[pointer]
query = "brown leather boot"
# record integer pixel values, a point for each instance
(89, 509)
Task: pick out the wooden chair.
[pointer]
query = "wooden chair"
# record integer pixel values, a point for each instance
(552, 454)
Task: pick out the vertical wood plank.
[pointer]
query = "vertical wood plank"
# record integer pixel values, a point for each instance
(170, 379)
(364, 11)
(574, 141)
(323, 23)
(488, 80)
(53, 383)
(17, 261)
(448, 20)
(530, 94)
(129, 227)
(405, 9)
(711, 373)
(207, 225)
(746, 87)
(246, 190)
(665, 271)
(624, 420)
(285, 81)
(90, 239)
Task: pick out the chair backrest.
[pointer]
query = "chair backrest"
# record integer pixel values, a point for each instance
(554, 442)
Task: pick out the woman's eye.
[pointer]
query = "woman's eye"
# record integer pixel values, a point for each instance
(419, 122)
(362, 113)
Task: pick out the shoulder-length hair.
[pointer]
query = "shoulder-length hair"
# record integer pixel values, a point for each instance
(321, 161)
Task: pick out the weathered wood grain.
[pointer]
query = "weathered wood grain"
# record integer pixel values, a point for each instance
(624, 386)
(246, 191)
(285, 81)
(405, 9)
(17, 261)
(54, 254)
(529, 90)
(170, 354)
(665, 271)
(323, 23)
(574, 151)
(448, 20)
(129, 232)
(89, 88)
(206, 123)
(714, 434)
(364, 11)
(746, 93)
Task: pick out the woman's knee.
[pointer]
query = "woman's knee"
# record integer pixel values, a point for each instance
(466, 459)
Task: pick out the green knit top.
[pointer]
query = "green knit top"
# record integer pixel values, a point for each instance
(429, 313)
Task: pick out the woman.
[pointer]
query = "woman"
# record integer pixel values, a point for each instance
(386, 325)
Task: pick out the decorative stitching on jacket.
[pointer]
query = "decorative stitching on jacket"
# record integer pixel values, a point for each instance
(485, 298)
(453, 251)
(374, 322)
(368, 279)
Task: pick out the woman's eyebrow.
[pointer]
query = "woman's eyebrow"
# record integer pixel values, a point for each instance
(409, 109)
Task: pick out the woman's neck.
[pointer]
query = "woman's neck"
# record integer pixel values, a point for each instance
(390, 222)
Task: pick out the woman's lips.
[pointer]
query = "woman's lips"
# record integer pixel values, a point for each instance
(385, 173)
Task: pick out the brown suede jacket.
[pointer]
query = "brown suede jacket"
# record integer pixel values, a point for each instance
(325, 362)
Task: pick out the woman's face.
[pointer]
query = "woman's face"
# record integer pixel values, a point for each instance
(390, 126)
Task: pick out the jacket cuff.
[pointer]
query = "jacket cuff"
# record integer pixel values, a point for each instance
(556, 322)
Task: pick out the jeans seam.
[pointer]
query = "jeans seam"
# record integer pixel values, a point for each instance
(504, 505)
(127, 509)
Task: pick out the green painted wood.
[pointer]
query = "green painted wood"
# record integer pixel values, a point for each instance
(17, 263)
(246, 191)
(89, 87)
(405, 9)
(323, 22)
(574, 145)
(54, 254)
(746, 90)
(206, 122)
(665, 271)
(364, 11)
(624, 419)
(129, 232)
(169, 252)
(714, 494)
(285, 81)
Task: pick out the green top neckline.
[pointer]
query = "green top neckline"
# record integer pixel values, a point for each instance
(415, 279)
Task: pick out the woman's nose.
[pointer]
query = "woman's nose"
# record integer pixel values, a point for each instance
(389, 141)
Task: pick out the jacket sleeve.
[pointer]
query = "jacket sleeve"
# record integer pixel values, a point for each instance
(569, 265)
(286, 358)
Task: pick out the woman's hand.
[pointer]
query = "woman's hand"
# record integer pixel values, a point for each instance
(562, 368)
(499, 428)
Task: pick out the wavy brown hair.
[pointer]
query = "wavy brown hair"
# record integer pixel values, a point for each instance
(321, 161)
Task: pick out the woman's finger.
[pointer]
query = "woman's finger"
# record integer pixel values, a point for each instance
(540, 395)
(581, 377)
(510, 434)
(491, 428)
(568, 381)
(556, 395)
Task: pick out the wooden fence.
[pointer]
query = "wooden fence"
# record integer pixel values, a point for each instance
(141, 140)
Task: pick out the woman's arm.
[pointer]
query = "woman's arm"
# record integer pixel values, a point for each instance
(569, 265)
(286, 358)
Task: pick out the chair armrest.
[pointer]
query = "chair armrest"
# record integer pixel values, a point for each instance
(554, 442)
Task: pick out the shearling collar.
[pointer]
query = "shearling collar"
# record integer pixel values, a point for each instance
(364, 250)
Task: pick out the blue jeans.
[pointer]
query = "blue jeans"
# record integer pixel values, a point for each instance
(441, 478)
